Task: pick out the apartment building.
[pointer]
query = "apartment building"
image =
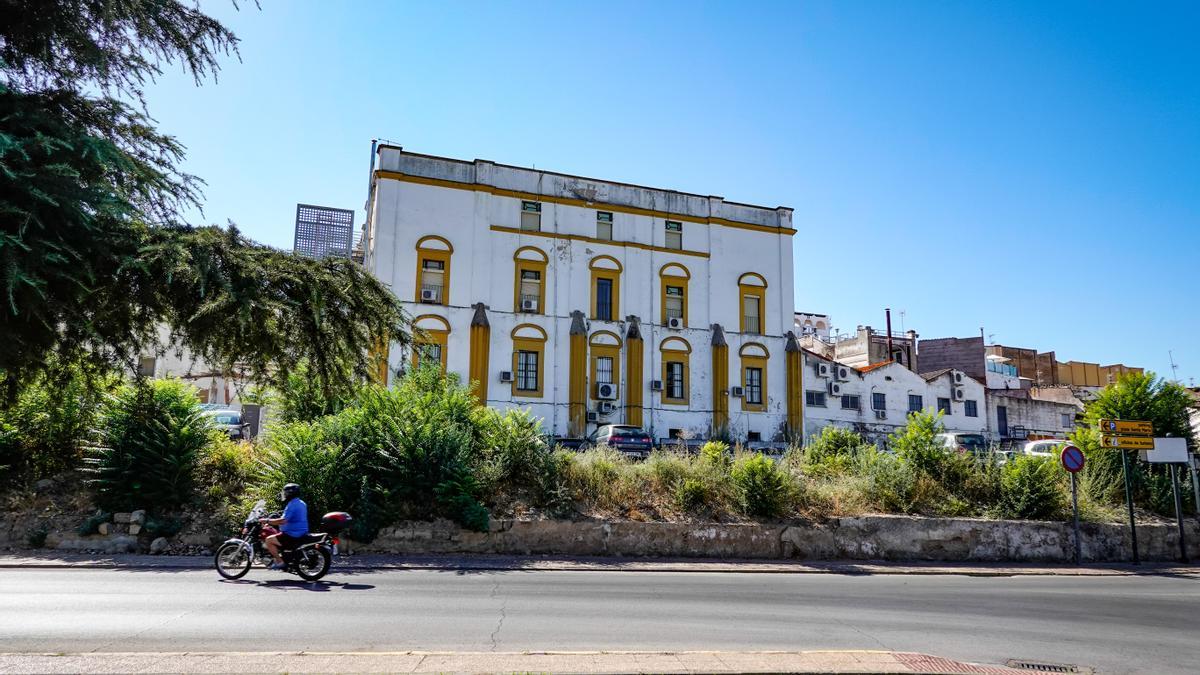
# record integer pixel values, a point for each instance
(591, 301)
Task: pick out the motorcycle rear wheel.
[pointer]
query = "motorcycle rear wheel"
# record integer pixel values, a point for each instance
(232, 560)
(313, 564)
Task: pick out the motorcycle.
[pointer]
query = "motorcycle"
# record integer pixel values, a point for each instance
(310, 560)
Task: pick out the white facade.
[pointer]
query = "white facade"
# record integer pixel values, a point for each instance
(808, 323)
(471, 216)
(167, 360)
(876, 400)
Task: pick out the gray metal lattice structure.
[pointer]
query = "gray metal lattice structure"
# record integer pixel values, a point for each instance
(323, 231)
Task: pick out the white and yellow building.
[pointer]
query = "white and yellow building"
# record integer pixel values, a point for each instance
(591, 301)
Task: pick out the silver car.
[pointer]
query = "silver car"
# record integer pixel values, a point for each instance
(229, 421)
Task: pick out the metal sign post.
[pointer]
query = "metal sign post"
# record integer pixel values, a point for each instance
(1125, 435)
(1174, 453)
(1072, 460)
(1183, 556)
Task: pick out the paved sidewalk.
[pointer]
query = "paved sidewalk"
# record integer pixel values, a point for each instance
(558, 662)
(375, 562)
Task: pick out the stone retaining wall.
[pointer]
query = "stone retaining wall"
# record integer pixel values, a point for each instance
(897, 538)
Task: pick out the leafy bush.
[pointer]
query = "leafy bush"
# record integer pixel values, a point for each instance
(890, 484)
(149, 443)
(311, 455)
(763, 489)
(1031, 488)
(92, 524)
(916, 443)
(716, 453)
(514, 460)
(691, 494)
(36, 538)
(46, 428)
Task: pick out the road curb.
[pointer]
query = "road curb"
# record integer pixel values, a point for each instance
(467, 564)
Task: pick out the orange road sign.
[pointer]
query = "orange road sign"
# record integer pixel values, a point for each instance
(1128, 442)
(1126, 427)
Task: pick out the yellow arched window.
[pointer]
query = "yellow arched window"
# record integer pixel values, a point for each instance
(754, 377)
(529, 360)
(529, 283)
(752, 294)
(606, 288)
(430, 335)
(605, 349)
(433, 270)
(674, 293)
(676, 353)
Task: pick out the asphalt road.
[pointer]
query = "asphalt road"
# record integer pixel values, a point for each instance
(1113, 624)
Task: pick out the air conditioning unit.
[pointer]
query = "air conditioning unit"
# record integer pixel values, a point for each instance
(881, 414)
(822, 370)
(606, 391)
(593, 417)
(605, 407)
(735, 392)
(655, 385)
(675, 323)
(843, 373)
(958, 377)
(960, 394)
(835, 389)
(429, 295)
(529, 305)
(506, 376)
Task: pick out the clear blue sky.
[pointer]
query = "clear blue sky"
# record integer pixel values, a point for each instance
(1032, 168)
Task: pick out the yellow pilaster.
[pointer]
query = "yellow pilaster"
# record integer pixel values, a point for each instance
(481, 344)
(633, 373)
(577, 377)
(794, 375)
(720, 381)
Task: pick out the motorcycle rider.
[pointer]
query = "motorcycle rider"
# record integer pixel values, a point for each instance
(293, 526)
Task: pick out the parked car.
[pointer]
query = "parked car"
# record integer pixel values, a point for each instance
(629, 439)
(1044, 447)
(229, 421)
(964, 442)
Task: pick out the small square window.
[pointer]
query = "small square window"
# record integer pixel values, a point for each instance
(753, 436)
(1066, 421)
(674, 237)
(970, 409)
(815, 399)
(944, 405)
(851, 402)
(878, 401)
(531, 216)
(604, 225)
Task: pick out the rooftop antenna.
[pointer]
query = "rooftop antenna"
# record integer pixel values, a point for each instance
(1174, 366)
(902, 313)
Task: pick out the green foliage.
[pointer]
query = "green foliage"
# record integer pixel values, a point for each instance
(92, 524)
(513, 459)
(916, 442)
(302, 399)
(317, 456)
(1031, 488)
(162, 527)
(692, 494)
(92, 256)
(890, 484)
(834, 441)
(1134, 396)
(36, 538)
(149, 442)
(763, 489)
(45, 429)
(716, 453)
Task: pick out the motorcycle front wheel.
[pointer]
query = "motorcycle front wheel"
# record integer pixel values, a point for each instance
(233, 560)
(313, 564)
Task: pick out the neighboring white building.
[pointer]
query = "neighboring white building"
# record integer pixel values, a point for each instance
(808, 323)
(590, 301)
(876, 400)
(212, 385)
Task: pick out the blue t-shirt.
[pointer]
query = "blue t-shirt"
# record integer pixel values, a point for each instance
(295, 518)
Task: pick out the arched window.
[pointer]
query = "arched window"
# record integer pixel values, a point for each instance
(529, 360)
(529, 284)
(674, 293)
(606, 288)
(605, 349)
(433, 270)
(752, 294)
(430, 334)
(676, 353)
(754, 376)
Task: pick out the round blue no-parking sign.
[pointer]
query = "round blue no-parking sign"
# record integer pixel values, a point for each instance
(1072, 458)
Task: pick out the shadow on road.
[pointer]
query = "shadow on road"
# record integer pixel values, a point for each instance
(301, 585)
